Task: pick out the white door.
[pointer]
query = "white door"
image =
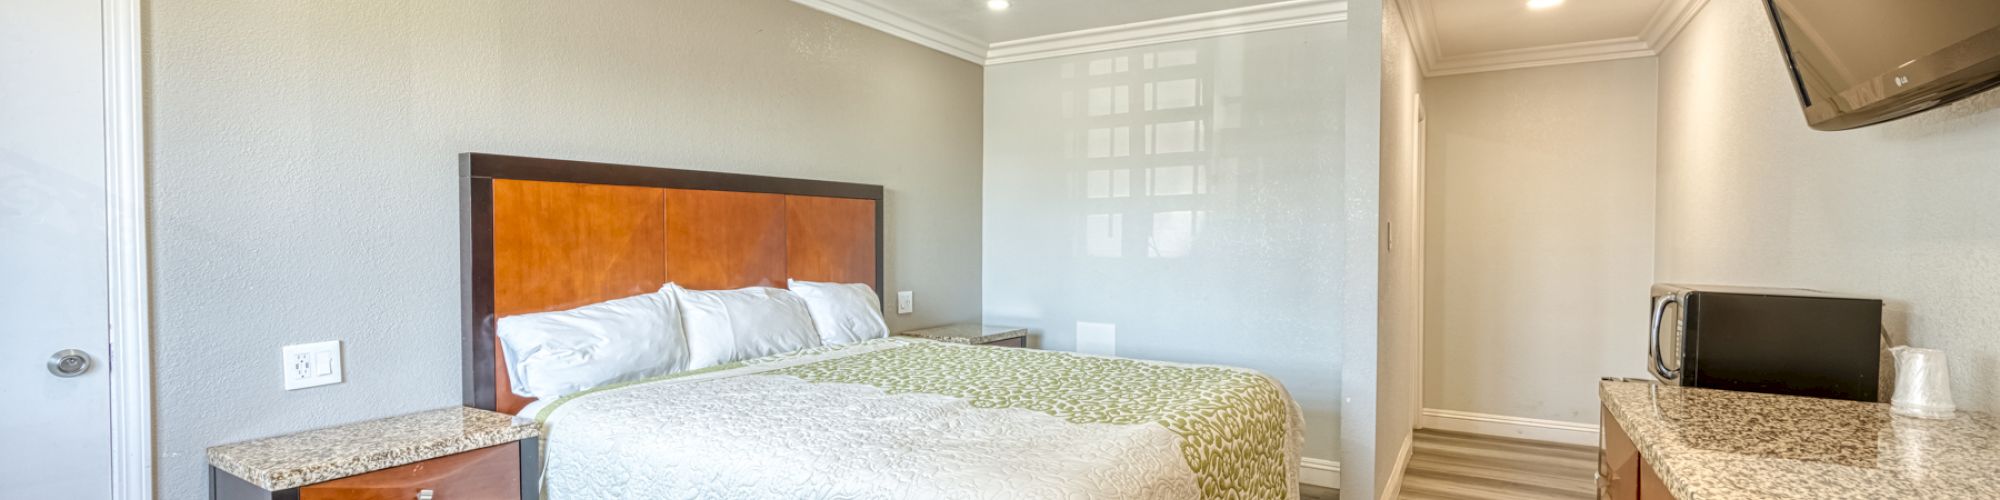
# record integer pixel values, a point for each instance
(54, 431)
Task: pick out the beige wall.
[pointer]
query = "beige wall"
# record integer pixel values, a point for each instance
(1905, 211)
(304, 171)
(1540, 236)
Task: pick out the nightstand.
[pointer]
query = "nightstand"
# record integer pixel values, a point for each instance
(1003, 336)
(453, 453)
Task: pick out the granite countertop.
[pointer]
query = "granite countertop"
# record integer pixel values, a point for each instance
(295, 460)
(968, 334)
(1708, 444)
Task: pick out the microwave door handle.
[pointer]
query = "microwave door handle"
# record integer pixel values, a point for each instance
(1653, 348)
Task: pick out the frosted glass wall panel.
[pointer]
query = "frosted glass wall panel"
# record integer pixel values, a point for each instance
(1177, 202)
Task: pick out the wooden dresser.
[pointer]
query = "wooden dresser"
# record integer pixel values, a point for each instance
(1621, 473)
(449, 454)
(1663, 441)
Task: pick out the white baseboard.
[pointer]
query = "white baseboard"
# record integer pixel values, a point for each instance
(1394, 489)
(1319, 472)
(1533, 429)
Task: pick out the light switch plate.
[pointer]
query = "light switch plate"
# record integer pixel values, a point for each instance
(312, 365)
(906, 302)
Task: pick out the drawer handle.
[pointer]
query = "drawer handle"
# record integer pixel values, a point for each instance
(425, 495)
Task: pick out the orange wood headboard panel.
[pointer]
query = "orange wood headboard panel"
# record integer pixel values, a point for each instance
(549, 235)
(559, 245)
(826, 239)
(718, 240)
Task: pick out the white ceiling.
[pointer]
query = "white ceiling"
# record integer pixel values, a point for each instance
(1032, 29)
(1466, 36)
(1033, 18)
(1474, 26)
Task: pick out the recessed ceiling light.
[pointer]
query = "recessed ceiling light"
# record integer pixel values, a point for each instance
(1535, 4)
(1004, 4)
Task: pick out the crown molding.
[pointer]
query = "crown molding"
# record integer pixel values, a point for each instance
(1423, 39)
(869, 14)
(1548, 55)
(1667, 21)
(1271, 16)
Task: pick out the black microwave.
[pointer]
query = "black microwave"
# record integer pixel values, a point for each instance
(1769, 340)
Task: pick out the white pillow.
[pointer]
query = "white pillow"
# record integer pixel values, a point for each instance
(844, 313)
(733, 325)
(553, 354)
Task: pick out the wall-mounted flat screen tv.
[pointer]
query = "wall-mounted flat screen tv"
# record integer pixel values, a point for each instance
(1861, 62)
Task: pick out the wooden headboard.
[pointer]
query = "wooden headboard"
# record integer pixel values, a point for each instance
(547, 235)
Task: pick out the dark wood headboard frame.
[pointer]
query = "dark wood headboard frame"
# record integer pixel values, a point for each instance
(477, 171)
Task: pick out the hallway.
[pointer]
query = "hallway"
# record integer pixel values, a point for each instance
(1465, 466)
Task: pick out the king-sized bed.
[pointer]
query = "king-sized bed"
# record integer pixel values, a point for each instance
(878, 418)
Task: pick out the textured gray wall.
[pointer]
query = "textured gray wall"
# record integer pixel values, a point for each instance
(1748, 195)
(1398, 336)
(304, 161)
(1362, 347)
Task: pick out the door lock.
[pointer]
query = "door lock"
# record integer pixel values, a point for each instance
(69, 363)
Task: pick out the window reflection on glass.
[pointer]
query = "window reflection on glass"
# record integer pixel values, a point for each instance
(1173, 234)
(1160, 101)
(1108, 142)
(1111, 65)
(1107, 183)
(1173, 94)
(1175, 181)
(1110, 100)
(1175, 137)
(1170, 58)
(1104, 235)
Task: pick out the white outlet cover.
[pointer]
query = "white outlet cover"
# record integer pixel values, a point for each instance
(1096, 338)
(311, 365)
(906, 302)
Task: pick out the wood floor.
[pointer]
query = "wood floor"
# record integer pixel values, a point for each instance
(1454, 465)
(1310, 492)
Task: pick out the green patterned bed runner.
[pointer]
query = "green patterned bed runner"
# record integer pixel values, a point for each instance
(1232, 423)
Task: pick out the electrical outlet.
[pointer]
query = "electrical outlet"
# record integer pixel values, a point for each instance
(906, 302)
(312, 365)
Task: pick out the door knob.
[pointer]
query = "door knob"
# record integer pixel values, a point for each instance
(69, 363)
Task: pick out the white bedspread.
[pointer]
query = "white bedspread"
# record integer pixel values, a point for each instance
(745, 432)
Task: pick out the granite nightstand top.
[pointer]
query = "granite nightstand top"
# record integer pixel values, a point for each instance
(315, 456)
(1708, 444)
(968, 333)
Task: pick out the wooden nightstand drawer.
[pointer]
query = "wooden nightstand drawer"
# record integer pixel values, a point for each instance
(1013, 342)
(482, 474)
(999, 336)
